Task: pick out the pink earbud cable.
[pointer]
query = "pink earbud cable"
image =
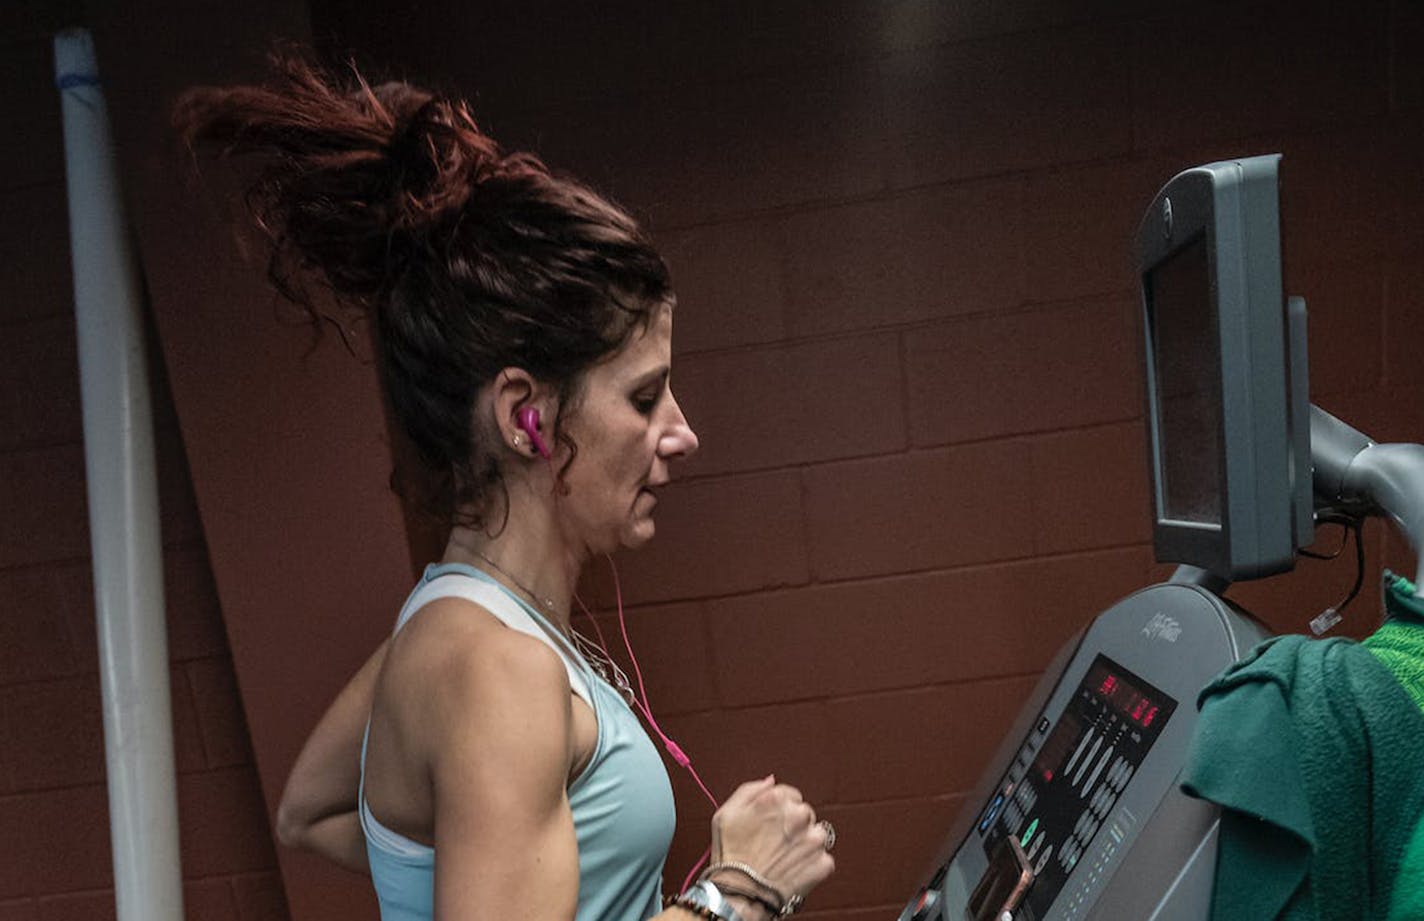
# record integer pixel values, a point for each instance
(641, 700)
(529, 421)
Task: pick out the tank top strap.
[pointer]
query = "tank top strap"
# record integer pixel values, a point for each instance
(458, 580)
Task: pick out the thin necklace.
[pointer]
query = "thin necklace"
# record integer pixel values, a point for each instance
(547, 602)
(595, 655)
(604, 666)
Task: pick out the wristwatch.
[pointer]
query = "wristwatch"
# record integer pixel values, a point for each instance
(706, 897)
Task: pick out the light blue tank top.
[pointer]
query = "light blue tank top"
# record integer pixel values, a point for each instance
(622, 801)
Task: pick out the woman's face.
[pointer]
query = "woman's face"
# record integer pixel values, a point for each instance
(628, 428)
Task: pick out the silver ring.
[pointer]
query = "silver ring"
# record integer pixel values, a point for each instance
(830, 834)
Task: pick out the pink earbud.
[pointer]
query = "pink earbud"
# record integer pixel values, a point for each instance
(528, 419)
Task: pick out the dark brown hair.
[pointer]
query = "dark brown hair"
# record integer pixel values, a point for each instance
(469, 259)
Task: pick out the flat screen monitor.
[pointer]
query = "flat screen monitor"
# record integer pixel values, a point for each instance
(1227, 411)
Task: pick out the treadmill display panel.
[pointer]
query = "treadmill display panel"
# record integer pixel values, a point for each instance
(1056, 804)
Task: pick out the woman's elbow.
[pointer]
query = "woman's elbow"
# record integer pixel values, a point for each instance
(291, 825)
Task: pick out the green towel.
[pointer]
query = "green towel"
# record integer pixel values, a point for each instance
(1314, 750)
(1408, 901)
(1399, 644)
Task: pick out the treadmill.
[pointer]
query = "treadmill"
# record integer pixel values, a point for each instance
(1079, 814)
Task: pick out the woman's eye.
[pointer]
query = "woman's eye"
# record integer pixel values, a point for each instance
(644, 403)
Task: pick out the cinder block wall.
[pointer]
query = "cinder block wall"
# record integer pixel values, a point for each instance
(901, 238)
(900, 233)
(55, 862)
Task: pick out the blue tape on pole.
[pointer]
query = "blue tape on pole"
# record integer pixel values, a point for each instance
(69, 81)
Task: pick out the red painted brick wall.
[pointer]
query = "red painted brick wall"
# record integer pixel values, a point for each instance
(900, 232)
(55, 861)
(901, 236)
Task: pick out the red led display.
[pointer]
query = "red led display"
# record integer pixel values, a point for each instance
(1124, 697)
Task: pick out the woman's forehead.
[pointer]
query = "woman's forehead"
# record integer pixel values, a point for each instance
(649, 347)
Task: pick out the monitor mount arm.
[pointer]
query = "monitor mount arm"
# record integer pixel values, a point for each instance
(1355, 476)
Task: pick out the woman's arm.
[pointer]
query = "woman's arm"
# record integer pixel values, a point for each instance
(499, 735)
(318, 807)
(501, 745)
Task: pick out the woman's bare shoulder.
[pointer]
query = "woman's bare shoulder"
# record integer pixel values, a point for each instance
(455, 651)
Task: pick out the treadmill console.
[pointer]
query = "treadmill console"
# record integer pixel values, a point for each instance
(1056, 795)
(1079, 815)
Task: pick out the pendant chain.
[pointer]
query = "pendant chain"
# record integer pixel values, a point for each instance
(597, 657)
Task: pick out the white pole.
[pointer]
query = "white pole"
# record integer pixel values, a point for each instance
(123, 504)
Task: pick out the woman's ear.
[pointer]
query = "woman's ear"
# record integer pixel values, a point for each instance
(518, 405)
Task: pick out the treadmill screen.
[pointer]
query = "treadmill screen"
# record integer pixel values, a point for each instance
(1187, 388)
(1057, 806)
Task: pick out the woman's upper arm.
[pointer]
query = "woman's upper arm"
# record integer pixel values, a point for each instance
(326, 776)
(504, 833)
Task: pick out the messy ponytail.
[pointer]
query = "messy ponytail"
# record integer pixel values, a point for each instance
(468, 258)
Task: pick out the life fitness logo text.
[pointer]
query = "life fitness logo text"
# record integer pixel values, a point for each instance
(1162, 627)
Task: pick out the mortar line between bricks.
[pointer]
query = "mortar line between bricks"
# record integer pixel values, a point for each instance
(42, 319)
(1133, 31)
(89, 670)
(1347, 127)
(883, 577)
(705, 622)
(217, 877)
(898, 800)
(891, 192)
(59, 788)
(644, 90)
(1387, 284)
(902, 348)
(1032, 459)
(803, 495)
(25, 683)
(57, 562)
(936, 686)
(56, 184)
(102, 784)
(837, 335)
(160, 427)
(176, 545)
(844, 698)
(25, 446)
(192, 703)
(52, 896)
(918, 449)
(47, 316)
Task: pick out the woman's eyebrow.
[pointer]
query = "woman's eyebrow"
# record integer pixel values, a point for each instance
(659, 374)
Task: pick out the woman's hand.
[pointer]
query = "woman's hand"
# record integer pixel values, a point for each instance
(770, 828)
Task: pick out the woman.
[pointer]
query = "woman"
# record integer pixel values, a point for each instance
(479, 765)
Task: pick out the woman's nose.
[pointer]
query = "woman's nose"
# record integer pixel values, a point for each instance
(678, 440)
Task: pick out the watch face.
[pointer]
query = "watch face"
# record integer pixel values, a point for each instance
(705, 895)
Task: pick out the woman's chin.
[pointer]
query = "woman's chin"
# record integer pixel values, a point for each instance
(637, 533)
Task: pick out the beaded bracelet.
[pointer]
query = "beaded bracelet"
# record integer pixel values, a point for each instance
(738, 867)
(788, 906)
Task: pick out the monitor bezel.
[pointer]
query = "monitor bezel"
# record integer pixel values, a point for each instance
(1234, 206)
